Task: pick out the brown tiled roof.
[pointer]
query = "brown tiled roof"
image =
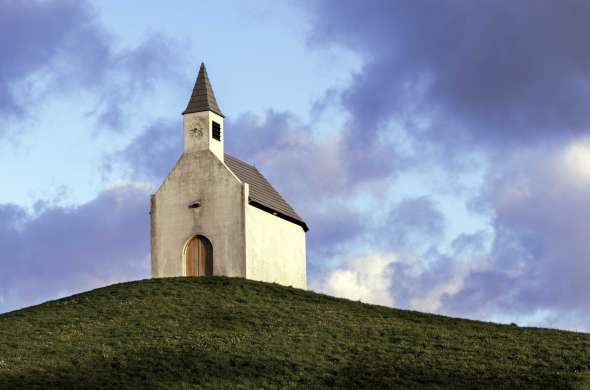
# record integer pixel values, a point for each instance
(262, 193)
(203, 98)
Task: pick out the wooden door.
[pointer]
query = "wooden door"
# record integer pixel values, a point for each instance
(198, 257)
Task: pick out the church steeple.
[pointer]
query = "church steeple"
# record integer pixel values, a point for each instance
(202, 98)
(203, 120)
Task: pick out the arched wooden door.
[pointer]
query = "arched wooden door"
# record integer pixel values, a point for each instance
(198, 257)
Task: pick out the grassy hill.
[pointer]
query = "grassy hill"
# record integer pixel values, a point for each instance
(182, 333)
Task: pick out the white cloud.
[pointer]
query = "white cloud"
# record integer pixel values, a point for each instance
(431, 300)
(141, 186)
(366, 278)
(575, 161)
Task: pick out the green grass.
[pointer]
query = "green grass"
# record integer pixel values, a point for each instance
(182, 333)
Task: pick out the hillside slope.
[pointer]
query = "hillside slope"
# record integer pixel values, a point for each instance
(233, 333)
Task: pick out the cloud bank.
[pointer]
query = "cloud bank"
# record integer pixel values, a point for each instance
(59, 251)
(497, 73)
(508, 81)
(50, 48)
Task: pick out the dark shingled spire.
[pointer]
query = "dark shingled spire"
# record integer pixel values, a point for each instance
(203, 98)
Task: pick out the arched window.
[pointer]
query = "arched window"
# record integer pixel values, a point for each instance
(198, 257)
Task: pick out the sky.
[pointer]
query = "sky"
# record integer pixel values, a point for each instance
(438, 151)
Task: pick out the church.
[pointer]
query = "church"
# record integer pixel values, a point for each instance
(217, 215)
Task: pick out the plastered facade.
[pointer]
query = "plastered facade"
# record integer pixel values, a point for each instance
(275, 249)
(198, 177)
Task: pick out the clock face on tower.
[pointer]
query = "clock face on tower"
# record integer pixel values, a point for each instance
(196, 131)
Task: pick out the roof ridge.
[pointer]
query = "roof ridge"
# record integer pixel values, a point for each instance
(248, 164)
(240, 160)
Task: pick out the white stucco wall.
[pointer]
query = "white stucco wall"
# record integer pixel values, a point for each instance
(275, 249)
(198, 176)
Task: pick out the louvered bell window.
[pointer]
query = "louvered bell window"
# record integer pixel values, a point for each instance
(216, 131)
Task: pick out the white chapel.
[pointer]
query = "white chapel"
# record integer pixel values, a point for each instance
(217, 215)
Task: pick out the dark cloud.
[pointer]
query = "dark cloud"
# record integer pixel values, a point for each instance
(31, 35)
(61, 250)
(152, 154)
(397, 259)
(507, 81)
(531, 265)
(52, 47)
(412, 222)
(131, 76)
(541, 249)
(491, 72)
(336, 227)
(254, 136)
(296, 160)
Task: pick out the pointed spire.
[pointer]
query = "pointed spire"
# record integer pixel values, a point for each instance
(203, 98)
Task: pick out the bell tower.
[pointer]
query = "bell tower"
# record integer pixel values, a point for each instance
(203, 120)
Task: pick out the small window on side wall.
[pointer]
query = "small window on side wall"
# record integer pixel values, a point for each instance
(216, 131)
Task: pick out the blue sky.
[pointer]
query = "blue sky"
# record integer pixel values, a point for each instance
(438, 151)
